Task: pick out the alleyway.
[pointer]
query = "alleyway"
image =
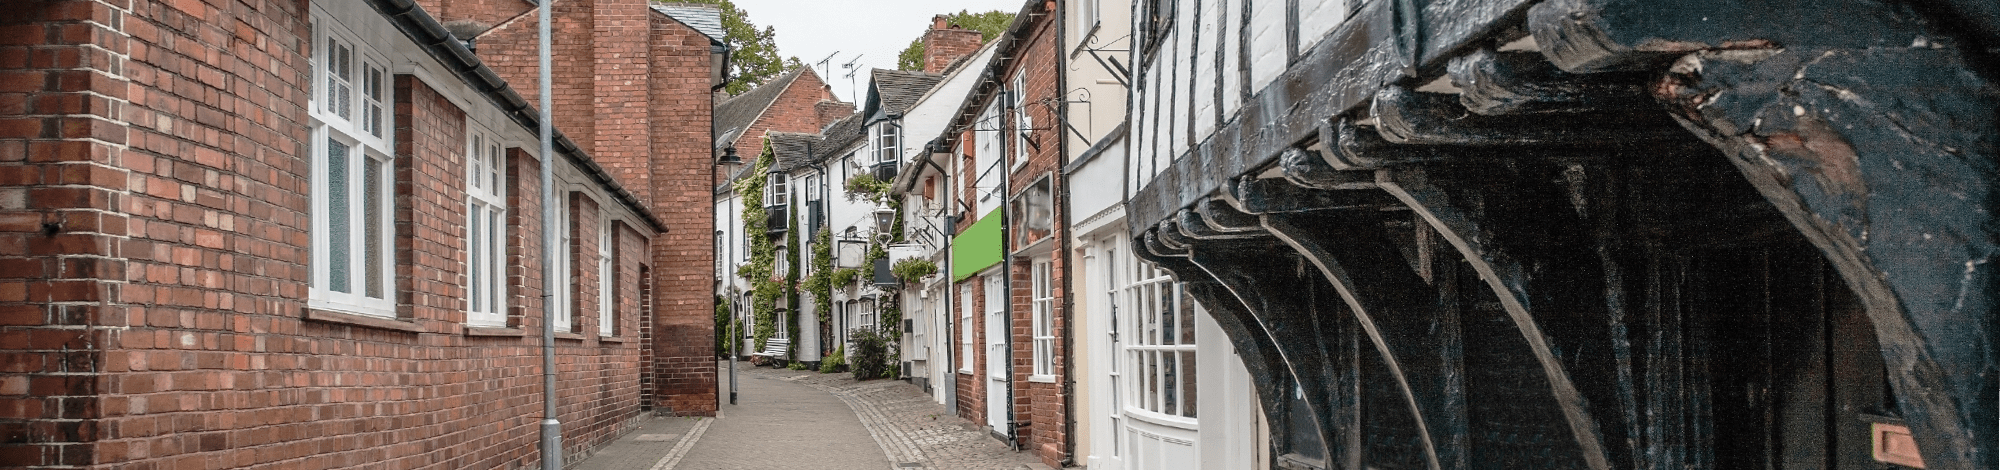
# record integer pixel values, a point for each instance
(787, 419)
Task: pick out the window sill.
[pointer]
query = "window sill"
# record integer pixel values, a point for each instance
(329, 316)
(494, 332)
(569, 336)
(1047, 379)
(612, 339)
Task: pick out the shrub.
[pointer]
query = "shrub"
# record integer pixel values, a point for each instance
(834, 362)
(797, 365)
(913, 269)
(871, 355)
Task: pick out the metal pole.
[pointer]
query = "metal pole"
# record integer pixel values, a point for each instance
(551, 449)
(735, 309)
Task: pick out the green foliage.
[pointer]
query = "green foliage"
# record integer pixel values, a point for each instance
(871, 359)
(865, 187)
(913, 269)
(820, 282)
(791, 282)
(988, 24)
(844, 277)
(753, 56)
(724, 342)
(765, 286)
(797, 365)
(835, 362)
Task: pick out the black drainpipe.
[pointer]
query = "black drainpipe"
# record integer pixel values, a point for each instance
(1061, 214)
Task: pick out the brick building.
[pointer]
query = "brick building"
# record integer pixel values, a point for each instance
(1009, 137)
(290, 234)
(632, 84)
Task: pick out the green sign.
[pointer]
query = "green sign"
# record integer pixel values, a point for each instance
(977, 248)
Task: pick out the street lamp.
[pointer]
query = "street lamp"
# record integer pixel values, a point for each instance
(885, 219)
(729, 157)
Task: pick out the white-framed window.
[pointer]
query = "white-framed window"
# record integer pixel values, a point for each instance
(965, 308)
(353, 185)
(1041, 298)
(561, 310)
(607, 310)
(1086, 20)
(775, 193)
(1159, 369)
(888, 142)
(867, 318)
(485, 229)
(1023, 124)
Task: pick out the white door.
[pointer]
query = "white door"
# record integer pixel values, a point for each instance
(997, 357)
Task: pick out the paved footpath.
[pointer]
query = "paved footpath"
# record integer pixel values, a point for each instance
(787, 419)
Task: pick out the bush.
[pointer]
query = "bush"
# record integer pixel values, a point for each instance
(797, 365)
(835, 362)
(911, 270)
(871, 355)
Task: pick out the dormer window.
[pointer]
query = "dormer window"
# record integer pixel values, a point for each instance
(888, 143)
(775, 193)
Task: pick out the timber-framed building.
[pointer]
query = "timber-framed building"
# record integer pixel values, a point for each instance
(1584, 233)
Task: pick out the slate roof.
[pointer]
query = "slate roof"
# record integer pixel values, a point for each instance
(705, 19)
(737, 114)
(891, 92)
(792, 149)
(838, 136)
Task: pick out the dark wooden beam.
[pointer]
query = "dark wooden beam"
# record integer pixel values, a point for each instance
(1497, 83)
(1406, 116)
(1887, 160)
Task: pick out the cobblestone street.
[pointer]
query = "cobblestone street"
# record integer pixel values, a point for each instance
(786, 419)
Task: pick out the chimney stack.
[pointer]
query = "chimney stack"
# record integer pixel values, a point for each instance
(828, 111)
(945, 43)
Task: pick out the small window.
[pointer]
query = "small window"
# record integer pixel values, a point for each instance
(1023, 123)
(1086, 20)
(965, 309)
(1042, 299)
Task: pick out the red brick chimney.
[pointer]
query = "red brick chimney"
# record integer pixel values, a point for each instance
(945, 43)
(828, 111)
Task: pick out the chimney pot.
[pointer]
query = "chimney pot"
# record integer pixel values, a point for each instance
(938, 22)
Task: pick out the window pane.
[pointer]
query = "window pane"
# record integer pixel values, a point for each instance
(339, 225)
(1169, 327)
(1187, 384)
(1187, 315)
(494, 268)
(477, 275)
(374, 210)
(1170, 377)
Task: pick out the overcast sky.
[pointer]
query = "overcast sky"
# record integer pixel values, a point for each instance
(876, 30)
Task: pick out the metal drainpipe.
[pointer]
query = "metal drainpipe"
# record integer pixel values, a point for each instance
(950, 291)
(1061, 211)
(1007, 265)
(551, 448)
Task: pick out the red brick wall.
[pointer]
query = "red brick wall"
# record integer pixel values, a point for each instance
(1042, 404)
(943, 45)
(158, 325)
(795, 110)
(829, 111)
(972, 387)
(683, 169)
(62, 236)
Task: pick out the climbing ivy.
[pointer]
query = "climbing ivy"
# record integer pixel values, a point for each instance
(820, 282)
(765, 287)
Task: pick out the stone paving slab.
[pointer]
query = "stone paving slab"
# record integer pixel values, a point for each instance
(786, 419)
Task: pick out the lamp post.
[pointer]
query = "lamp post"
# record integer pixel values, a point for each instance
(729, 158)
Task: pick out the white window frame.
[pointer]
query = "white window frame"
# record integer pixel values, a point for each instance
(865, 318)
(349, 110)
(607, 311)
(775, 192)
(965, 340)
(562, 310)
(1041, 299)
(887, 138)
(1086, 21)
(485, 228)
(1158, 346)
(1023, 124)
